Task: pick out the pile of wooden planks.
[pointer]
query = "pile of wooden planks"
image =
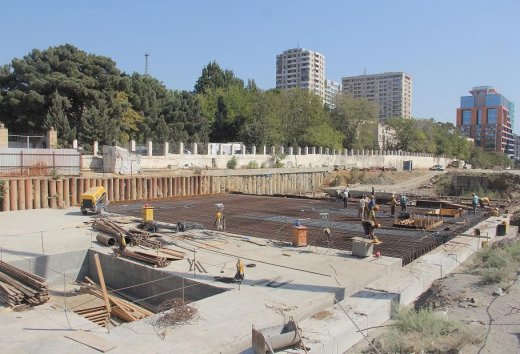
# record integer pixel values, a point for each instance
(114, 305)
(18, 286)
(123, 309)
(99, 315)
(419, 223)
(154, 259)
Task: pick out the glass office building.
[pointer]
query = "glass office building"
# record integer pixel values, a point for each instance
(488, 118)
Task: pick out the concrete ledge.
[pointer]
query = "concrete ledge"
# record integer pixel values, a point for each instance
(374, 305)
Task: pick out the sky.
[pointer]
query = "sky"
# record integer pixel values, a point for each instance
(447, 46)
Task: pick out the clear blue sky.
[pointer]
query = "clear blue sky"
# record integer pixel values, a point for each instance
(448, 46)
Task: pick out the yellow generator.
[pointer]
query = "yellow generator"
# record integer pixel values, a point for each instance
(93, 200)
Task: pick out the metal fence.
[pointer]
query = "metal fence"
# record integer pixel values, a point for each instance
(39, 162)
(27, 141)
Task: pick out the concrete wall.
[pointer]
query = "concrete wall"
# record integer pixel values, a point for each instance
(45, 192)
(53, 267)
(145, 282)
(359, 159)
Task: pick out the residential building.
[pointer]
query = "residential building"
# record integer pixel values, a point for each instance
(391, 92)
(303, 68)
(517, 147)
(487, 117)
(332, 89)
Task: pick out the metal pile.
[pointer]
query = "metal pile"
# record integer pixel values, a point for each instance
(18, 286)
(177, 312)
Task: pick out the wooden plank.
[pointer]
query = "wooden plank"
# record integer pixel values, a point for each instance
(102, 282)
(91, 340)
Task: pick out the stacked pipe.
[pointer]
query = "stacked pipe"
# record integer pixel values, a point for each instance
(18, 286)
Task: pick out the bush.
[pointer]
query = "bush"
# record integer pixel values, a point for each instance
(356, 176)
(232, 163)
(2, 182)
(498, 264)
(252, 164)
(425, 331)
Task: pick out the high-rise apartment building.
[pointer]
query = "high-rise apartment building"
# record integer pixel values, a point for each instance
(332, 89)
(487, 117)
(301, 68)
(391, 92)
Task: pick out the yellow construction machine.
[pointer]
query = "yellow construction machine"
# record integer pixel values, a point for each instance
(93, 200)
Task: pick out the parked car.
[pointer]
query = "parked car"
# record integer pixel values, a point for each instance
(437, 168)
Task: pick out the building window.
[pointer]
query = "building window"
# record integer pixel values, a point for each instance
(492, 116)
(467, 101)
(479, 117)
(466, 117)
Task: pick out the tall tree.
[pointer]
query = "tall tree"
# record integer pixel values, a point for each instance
(213, 76)
(353, 117)
(56, 118)
(26, 89)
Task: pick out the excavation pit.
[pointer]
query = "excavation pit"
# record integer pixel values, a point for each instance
(131, 281)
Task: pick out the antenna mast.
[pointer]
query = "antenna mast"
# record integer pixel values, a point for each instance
(146, 55)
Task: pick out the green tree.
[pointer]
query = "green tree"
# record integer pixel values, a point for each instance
(27, 88)
(56, 118)
(354, 118)
(213, 76)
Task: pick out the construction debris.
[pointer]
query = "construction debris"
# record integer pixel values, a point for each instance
(123, 309)
(20, 287)
(177, 312)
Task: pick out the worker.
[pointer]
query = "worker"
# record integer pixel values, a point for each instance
(361, 207)
(346, 192)
(371, 202)
(475, 202)
(239, 276)
(343, 195)
(403, 200)
(484, 201)
(370, 224)
(219, 220)
(393, 203)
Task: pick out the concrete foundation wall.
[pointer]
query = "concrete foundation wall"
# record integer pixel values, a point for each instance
(139, 282)
(53, 267)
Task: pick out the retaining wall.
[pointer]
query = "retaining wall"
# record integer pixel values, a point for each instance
(37, 193)
(359, 159)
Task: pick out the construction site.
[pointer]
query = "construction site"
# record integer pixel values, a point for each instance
(263, 262)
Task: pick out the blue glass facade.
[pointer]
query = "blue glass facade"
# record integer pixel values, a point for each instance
(467, 102)
(466, 117)
(492, 116)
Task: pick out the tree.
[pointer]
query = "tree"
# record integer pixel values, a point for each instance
(213, 77)
(349, 116)
(27, 88)
(56, 118)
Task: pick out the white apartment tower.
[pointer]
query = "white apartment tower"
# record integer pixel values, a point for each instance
(301, 68)
(392, 92)
(332, 89)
